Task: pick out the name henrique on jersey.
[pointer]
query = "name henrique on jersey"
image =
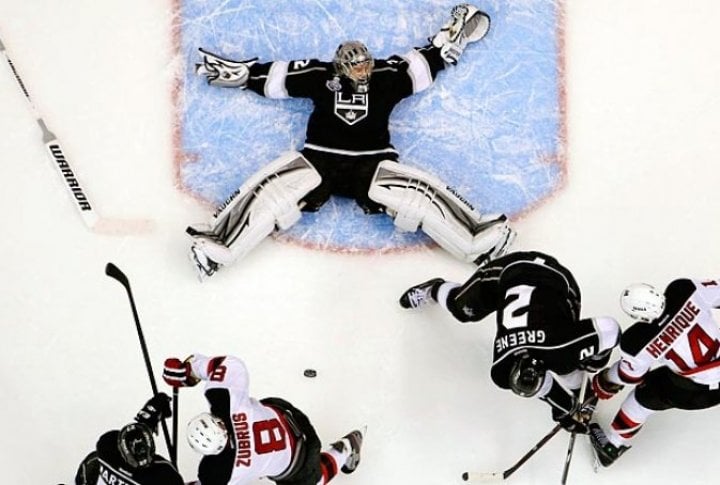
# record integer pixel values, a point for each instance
(261, 445)
(684, 338)
(343, 121)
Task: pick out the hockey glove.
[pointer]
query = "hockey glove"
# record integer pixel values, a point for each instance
(224, 72)
(177, 373)
(573, 422)
(157, 408)
(603, 387)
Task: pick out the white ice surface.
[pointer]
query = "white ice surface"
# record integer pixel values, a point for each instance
(640, 204)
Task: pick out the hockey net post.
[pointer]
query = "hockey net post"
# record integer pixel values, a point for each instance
(75, 189)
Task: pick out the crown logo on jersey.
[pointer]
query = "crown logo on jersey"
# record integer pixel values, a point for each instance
(351, 108)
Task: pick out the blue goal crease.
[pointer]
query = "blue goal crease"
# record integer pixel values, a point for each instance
(491, 127)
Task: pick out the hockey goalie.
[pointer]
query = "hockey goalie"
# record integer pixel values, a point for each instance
(347, 150)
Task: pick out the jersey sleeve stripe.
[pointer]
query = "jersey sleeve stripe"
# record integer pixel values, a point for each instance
(418, 70)
(275, 84)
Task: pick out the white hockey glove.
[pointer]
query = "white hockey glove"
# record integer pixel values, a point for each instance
(467, 24)
(224, 72)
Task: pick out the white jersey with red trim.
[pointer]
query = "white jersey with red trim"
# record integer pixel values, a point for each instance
(685, 338)
(260, 443)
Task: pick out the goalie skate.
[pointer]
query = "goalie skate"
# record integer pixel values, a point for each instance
(205, 266)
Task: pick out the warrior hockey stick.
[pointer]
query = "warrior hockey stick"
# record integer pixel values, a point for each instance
(75, 189)
(114, 272)
(503, 475)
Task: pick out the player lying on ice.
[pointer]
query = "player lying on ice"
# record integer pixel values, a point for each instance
(244, 439)
(347, 150)
(542, 347)
(671, 354)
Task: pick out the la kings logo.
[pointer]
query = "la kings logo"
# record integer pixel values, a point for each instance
(351, 108)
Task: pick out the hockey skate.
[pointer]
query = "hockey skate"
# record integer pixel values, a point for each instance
(605, 452)
(353, 440)
(501, 248)
(205, 266)
(420, 295)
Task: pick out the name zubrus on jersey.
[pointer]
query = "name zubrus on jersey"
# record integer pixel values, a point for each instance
(242, 437)
(521, 337)
(673, 329)
(69, 177)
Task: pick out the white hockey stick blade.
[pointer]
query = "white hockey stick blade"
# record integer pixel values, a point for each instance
(475, 477)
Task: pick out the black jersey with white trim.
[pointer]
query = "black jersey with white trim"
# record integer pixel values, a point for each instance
(344, 121)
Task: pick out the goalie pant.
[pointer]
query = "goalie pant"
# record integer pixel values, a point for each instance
(106, 465)
(672, 360)
(537, 305)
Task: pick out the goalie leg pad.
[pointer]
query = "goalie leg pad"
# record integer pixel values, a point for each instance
(268, 199)
(416, 199)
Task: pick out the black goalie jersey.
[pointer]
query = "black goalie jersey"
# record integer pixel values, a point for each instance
(343, 121)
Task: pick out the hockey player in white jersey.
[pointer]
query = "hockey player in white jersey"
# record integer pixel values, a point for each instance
(347, 150)
(671, 354)
(244, 439)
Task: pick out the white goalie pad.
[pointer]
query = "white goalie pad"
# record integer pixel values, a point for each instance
(419, 200)
(268, 199)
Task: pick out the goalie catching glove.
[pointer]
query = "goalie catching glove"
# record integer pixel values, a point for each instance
(178, 373)
(224, 72)
(467, 24)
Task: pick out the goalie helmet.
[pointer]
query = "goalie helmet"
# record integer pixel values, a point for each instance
(207, 434)
(136, 445)
(354, 61)
(527, 375)
(642, 302)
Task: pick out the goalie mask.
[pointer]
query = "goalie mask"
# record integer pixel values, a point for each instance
(642, 302)
(136, 445)
(354, 61)
(526, 376)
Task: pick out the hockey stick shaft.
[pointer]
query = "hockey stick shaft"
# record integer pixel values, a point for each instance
(503, 475)
(115, 273)
(55, 151)
(586, 392)
(176, 406)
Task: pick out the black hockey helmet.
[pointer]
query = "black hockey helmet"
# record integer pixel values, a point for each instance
(354, 61)
(136, 445)
(526, 375)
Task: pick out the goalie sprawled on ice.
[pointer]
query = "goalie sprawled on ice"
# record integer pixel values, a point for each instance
(347, 150)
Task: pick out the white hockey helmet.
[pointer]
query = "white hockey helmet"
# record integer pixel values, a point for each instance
(354, 61)
(207, 434)
(642, 302)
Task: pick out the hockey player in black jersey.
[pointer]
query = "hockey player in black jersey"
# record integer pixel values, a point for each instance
(347, 150)
(671, 354)
(127, 456)
(542, 347)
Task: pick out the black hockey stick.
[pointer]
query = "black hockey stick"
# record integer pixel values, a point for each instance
(503, 475)
(176, 405)
(586, 411)
(114, 272)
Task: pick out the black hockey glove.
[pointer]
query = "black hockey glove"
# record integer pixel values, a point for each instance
(154, 410)
(573, 422)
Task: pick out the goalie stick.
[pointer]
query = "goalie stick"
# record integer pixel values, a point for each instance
(114, 272)
(503, 475)
(76, 191)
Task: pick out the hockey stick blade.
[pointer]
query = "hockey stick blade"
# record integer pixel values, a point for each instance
(483, 477)
(114, 272)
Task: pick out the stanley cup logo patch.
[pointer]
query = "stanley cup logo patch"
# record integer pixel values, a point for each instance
(351, 108)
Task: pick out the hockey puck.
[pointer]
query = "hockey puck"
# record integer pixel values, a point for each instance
(310, 373)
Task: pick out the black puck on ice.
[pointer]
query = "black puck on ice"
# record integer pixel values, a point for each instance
(310, 373)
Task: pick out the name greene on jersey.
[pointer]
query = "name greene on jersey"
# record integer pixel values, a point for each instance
(673, 330)
(520, 337)
(243, 455)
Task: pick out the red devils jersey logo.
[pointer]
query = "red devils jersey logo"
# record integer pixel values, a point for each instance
(351, 108)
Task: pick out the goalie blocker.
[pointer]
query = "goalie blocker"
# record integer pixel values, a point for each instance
(416, 199)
